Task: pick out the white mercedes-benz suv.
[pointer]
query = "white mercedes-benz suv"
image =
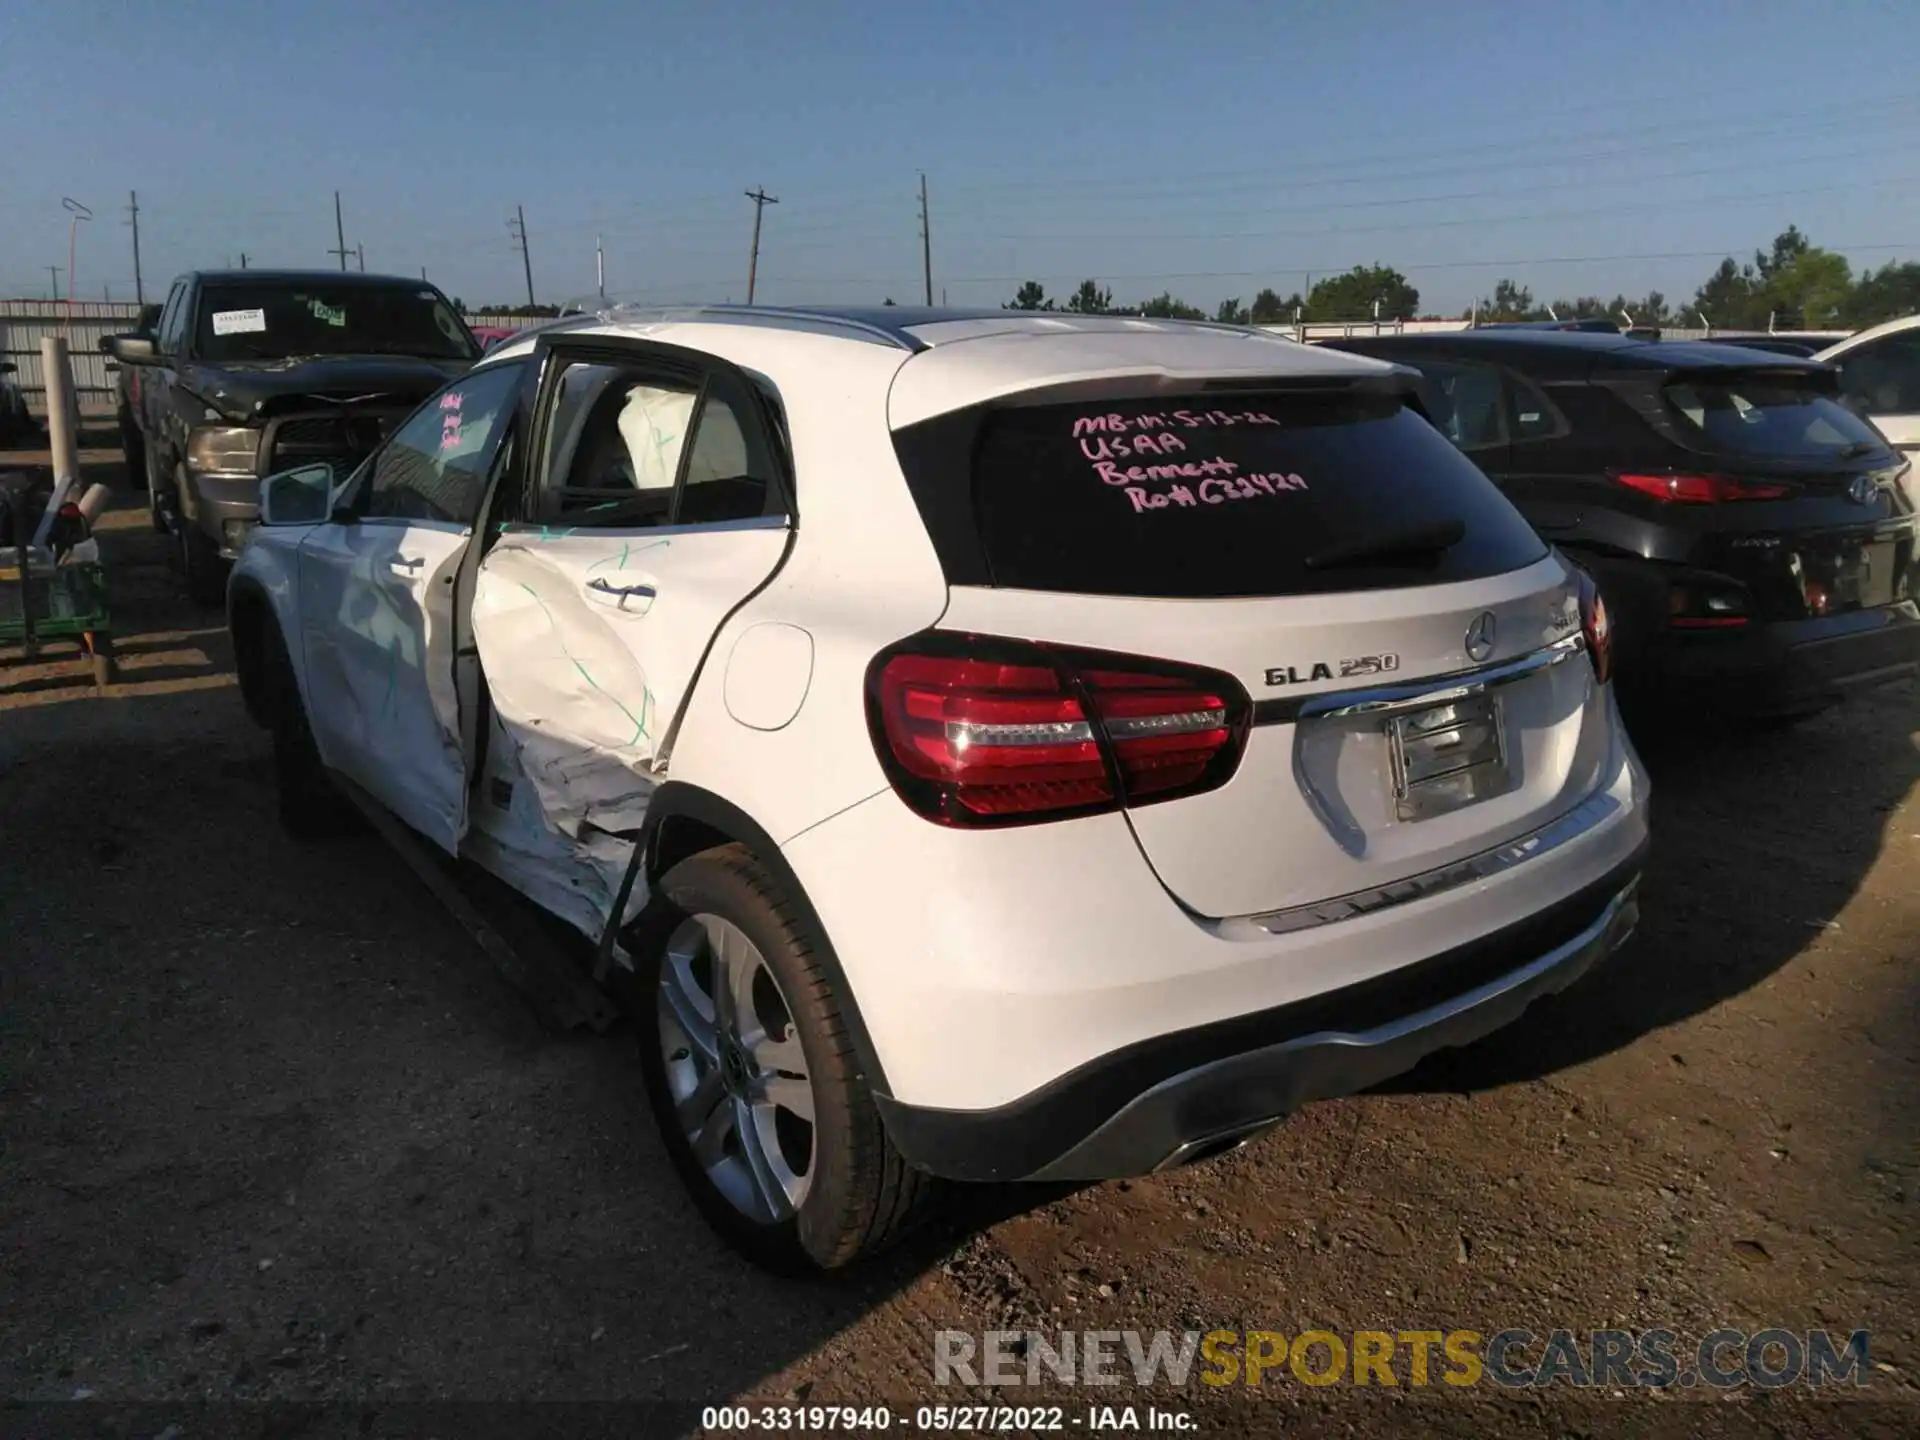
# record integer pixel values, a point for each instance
(979, 745)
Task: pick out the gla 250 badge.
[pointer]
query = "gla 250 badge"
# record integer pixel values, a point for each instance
(1355, 665)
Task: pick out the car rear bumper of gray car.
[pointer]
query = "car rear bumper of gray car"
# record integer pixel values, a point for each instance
(1186, 1097)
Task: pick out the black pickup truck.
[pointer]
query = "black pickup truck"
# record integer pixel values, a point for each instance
(249, 372)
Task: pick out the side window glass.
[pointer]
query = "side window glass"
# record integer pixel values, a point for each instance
(626, 450)
(614, 444)
(1531, 415)
(168, 329)
(728, 478)
(435, 466)
(1885, 375)
(1466, 402)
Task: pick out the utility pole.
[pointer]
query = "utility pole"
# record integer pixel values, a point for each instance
(423, 274)
(133, 214)
(518, 225)
(760, 200)
(359, 250)
(339, 234)
(600, 268)
(243, 259)
(56, 272)
(926, 239)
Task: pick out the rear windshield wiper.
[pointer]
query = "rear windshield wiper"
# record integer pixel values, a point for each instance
(1861, 447)
(1415, 543)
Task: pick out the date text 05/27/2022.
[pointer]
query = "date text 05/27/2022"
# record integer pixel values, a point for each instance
(943, 1419)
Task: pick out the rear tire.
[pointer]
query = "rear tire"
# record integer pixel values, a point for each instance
(309, 805)
(728, 1081)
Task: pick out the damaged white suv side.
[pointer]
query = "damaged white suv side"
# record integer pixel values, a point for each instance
(985, 746)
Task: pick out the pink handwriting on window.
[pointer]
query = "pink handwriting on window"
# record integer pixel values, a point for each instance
(1099, 447)
(1215, 490)
(1114, 474)
(1115, 423)
(450, 433)
(452, 400)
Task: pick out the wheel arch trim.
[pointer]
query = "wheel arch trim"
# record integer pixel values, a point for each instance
(680, 800)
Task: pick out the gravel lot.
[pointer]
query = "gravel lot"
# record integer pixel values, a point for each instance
(273, 1129)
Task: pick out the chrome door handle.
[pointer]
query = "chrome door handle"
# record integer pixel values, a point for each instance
(406, 562)
(607, 587)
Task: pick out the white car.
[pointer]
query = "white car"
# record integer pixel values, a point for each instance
(989, 746)
(1880, 371)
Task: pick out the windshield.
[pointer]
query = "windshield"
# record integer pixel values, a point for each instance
(1772, 417)
(273, 322)
(1205, 496)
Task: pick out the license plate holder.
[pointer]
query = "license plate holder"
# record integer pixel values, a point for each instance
(1447, 756)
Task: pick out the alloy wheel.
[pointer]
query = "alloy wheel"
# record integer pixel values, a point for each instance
(735, 1069)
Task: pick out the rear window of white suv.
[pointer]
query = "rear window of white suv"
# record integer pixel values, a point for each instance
(1209, 495)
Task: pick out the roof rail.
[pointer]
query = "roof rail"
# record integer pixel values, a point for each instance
(784, 317)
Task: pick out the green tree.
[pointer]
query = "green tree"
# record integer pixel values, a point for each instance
(1270, 309)
(1811, 290)
(1353, 296)
(1651, 309)
(1030, 296)
(1090, 299)
(1884, 294)
(1788, 247)
(1726, 300)
(1164, 307)
(1232, 312)
(1510, 301)
(887, 301)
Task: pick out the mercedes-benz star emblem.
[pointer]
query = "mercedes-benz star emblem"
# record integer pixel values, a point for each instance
(1863, 490)
(1480, 636)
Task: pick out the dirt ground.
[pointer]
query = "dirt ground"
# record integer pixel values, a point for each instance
(273, 1129)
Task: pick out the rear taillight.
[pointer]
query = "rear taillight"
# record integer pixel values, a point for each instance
(1596, 626)
(1707, 605)
(1700, 489)
(976, 730)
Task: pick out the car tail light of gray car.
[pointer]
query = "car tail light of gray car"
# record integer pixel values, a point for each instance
(1596, 626)
(981, 731)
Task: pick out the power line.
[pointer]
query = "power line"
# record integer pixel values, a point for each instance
(1342, 169)
(760, 200)
(1774, 162)
(841, 226)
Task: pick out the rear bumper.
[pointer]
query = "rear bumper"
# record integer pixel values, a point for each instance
(1039, 1006)
(1792, 665)
(1269, 1064)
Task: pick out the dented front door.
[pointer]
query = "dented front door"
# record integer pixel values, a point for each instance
(377, 600)
(659, 508)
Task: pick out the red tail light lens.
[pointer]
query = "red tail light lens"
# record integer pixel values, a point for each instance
(975, 730)
(1597, 627)
(1700, 489)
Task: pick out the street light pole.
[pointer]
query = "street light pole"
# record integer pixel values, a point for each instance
(79, 213)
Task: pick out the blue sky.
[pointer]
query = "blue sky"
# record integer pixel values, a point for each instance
(1209, 148)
